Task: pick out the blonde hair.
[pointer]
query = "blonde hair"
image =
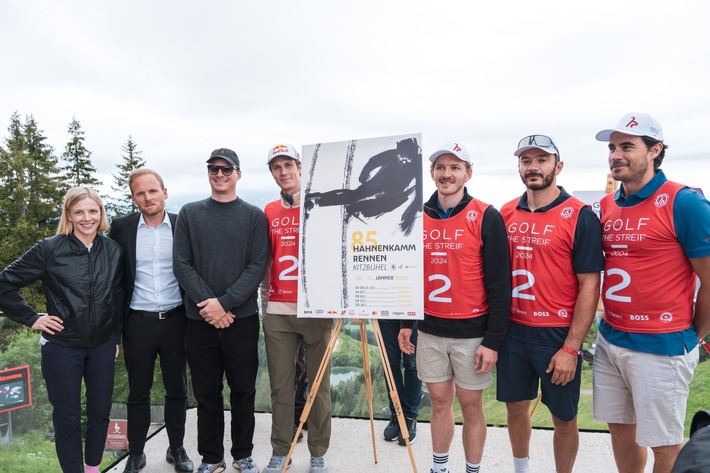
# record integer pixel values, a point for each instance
(74, 195)
(141, 172)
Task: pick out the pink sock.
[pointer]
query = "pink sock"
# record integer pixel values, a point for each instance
(91, 469)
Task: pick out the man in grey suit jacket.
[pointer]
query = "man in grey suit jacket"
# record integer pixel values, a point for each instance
(154, 319)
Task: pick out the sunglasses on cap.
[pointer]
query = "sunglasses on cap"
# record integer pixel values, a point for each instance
(539, 140)
(226, 170)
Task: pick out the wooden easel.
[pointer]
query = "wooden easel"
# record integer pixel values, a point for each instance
(325, 362)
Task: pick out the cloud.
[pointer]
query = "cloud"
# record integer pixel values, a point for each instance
(183, 78)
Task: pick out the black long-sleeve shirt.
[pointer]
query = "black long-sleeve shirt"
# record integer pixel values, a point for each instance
(496, 266)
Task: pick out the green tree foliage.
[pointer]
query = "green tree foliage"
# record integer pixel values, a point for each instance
(23, 349)
(349, 398)
(132, 160)
(79, 171)
(349, 352)
(30, 194)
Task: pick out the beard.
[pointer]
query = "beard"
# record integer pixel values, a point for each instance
(632, 172)
(153, 211)
(537, 186)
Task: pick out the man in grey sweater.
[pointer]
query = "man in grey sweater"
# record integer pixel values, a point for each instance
(220, 256)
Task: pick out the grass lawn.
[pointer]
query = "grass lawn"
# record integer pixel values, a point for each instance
(496, 413)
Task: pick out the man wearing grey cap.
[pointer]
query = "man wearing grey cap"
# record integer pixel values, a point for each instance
(220, 255)
(466, 305)
(556, 258)
(656, 237)
(283, 331)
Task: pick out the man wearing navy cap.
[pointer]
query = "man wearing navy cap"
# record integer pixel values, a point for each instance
(221, 250)
(656, 237)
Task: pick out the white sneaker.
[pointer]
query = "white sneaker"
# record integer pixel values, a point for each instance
(245, 465)
(276, 464)
(318, 465)
(212, 467)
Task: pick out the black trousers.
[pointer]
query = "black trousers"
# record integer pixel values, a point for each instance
(144, 339)
(404, 369)
(212, 354)
(63, 369)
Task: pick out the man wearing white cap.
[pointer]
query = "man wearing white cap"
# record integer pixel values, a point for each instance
(283, 331)
(466, 305)
(656, 237)
(556, 257)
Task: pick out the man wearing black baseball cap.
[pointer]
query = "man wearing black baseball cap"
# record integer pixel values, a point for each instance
(220, 255)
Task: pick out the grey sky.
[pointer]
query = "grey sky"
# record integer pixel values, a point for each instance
(184, 78)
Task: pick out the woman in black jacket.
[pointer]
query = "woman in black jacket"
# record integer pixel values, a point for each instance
(82, 275)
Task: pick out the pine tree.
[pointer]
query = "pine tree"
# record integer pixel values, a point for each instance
(79, 171)
(30, 192)
(132, 160)
(13, 195)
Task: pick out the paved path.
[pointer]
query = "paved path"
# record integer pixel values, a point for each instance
(351, 450)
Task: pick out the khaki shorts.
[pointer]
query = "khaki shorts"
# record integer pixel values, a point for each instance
(649, 390)
(441, 359)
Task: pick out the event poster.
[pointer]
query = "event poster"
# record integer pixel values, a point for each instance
(361, 252)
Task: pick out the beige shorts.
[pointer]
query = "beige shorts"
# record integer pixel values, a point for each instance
(441, 359)
(649, 390)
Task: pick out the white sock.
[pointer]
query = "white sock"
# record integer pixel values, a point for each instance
(522, 465)
(473, 467)
(440, 462)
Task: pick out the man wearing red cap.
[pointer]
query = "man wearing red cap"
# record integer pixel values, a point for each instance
(283, 331)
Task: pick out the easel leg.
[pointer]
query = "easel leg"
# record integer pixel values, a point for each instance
(537, 403)
(393, 390)
(368, 380)
(315, 384)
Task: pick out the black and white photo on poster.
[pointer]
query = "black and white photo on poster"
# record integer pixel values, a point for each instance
(361, 229)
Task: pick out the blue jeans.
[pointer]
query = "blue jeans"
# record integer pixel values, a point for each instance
(408, 384)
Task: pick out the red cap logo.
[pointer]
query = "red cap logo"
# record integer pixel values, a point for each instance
(632, 123)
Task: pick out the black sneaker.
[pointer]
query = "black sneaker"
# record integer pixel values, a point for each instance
(135, 463)
(179, 457)
(392, 429)
(412, 428)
